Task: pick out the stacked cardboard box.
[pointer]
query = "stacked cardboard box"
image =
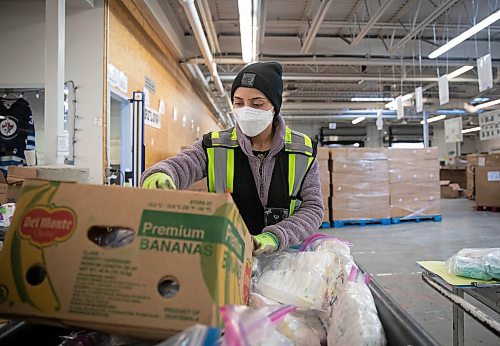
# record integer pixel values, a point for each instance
(181, 255)
(487, 186)
(414, 182)
(324, 162)
(478, 160)
(360, 183)
(454, 175)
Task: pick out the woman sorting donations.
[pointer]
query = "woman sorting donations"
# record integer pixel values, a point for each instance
(270, 170)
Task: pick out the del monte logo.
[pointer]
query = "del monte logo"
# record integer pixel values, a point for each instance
(44, 226)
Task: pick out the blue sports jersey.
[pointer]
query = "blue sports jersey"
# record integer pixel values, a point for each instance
(17, 134)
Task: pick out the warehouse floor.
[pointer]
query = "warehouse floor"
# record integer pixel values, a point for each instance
(389, 253)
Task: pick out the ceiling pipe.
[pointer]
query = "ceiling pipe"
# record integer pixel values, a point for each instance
(375, 17)
(200, 78)
(340, 61)
(315, 25)
(337, 24)
(432, 17)
(208, 24)
(262, 24)
(322, 78)
(325, 106)
(194, 21)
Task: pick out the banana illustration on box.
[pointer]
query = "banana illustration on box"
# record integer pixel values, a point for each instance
(40, 225)
(231, 259)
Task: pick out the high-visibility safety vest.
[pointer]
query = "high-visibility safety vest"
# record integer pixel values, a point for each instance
(220, 148)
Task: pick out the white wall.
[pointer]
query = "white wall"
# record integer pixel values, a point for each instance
(84, 65)
(22, 37)
(22, 64)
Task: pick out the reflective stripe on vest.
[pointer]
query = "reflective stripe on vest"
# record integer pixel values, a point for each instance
(298, 164)
(220, 157)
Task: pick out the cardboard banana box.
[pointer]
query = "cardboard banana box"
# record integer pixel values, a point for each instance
(145, 263)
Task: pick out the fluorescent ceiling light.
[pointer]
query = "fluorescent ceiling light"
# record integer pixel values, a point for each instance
(459, 71)
(372, 99)
(358, 120)
(465, 35)
(487, 104)
(480, 99)
(472, 129)
(246, 34)
(404, 98)
(433, 119)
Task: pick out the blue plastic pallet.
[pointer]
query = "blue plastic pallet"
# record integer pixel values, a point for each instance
(325, 225)
(435, 218)
(361, 222)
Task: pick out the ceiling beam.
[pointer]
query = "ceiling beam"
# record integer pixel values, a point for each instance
(343, 61)
(338, 77)
(374, 18)
(336, 24)
(315, 25)
(445, 6)
(354, 9)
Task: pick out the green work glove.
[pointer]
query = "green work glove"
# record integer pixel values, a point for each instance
(265, 243)
(159, 181)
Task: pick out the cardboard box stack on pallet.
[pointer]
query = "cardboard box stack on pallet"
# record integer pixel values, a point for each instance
(414, 182)
(360, 183)
(324, 162)
(486, 181)
(474, 161)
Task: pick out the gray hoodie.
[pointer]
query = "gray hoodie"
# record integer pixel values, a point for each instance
(191, 165)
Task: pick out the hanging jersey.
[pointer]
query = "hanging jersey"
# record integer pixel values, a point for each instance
(17, 134)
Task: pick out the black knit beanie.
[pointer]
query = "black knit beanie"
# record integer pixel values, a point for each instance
(265, 76)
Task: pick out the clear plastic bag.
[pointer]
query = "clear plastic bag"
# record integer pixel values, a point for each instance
(245, 326)
(301, 279)
(482, 264)
(325, 243)
(303, 328)
(194, 336)
(354, 319)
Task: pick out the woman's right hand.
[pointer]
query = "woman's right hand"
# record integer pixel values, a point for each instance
(159, 180)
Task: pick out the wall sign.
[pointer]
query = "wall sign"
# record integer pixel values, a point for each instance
(152, 118)
(490, 125)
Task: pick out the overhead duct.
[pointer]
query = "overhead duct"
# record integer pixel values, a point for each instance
(194, 21)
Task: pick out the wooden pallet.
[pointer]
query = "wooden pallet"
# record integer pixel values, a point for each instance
(485, 208)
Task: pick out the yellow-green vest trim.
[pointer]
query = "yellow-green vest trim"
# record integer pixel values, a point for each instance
(220, 162)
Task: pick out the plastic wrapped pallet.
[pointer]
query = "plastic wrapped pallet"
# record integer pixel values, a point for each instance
(414, 183)
(360, 183)
(324, 162)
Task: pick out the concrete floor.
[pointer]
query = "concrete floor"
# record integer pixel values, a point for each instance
(389, 253)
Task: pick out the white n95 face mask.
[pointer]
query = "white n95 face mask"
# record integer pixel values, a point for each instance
(253, 121)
